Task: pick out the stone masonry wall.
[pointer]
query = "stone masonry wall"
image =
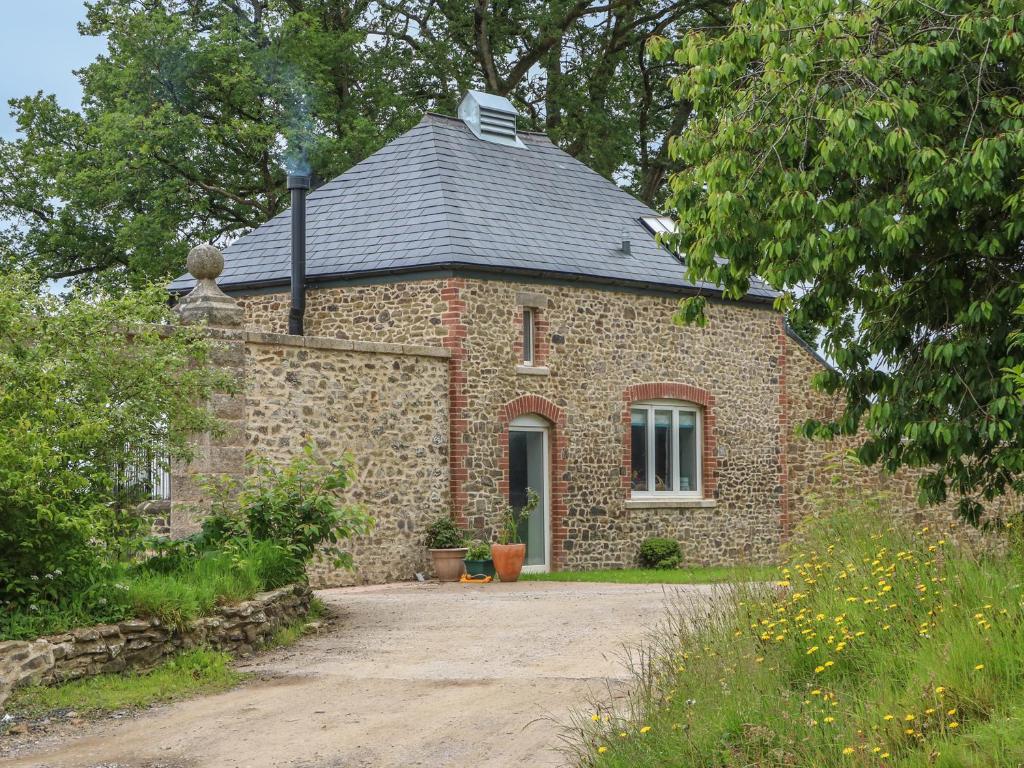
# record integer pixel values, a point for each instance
(141, 644)
(388, 406)
(597, 344)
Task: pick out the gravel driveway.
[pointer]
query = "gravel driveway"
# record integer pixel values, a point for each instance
(409, 675)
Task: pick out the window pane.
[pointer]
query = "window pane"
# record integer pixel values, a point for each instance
(638, 463)
(527, 335)
(688, 480)
(663, 450)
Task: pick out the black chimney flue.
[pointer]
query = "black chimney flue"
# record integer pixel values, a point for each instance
(298, 185)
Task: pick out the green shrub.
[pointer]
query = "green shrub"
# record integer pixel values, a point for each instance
(79, 399)
(660, 553)
(478, 550)
(297, 506)
(510, 519)
(443, 533)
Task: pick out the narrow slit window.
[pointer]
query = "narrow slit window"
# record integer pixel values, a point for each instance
(528, 334)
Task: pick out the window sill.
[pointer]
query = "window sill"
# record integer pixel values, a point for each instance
(670, 503)
(533, 370)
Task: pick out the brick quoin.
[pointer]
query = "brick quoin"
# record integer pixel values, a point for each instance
(559, 450)
(785, 523)
(458, 422)
(669, 390)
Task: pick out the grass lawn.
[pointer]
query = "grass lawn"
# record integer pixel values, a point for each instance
(193, 673)
(698, 575)
(883, 648)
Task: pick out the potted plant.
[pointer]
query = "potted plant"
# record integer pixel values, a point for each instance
(478, 559)
(447, 545)
(510, 553)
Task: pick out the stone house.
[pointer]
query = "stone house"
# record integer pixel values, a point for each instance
(485, 314)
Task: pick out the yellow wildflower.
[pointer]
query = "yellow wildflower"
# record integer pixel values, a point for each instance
(849, 751)
(602, 750)
(954, 724)
(645, 729)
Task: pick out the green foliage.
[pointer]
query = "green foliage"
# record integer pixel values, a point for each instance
(865, 160)
(186, 117)
(174, 591)
(298, 507)
(443, 533)
(478, 550)
(190, 674)
(879, 646)
(510, 518)
(87, 385)
(660, 553)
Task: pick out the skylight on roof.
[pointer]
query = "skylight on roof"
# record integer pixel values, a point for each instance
(659, 225)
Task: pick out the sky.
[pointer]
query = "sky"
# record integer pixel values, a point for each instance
(39, 46)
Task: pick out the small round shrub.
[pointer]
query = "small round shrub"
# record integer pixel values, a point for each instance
(443, 533)
(660, 553)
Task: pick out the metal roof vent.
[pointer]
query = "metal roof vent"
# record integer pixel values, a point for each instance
(490, 118)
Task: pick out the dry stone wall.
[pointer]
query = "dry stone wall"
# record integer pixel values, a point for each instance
(141, 644)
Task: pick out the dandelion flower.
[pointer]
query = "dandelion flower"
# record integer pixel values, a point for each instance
(978, 667)
(645, 729)
(940, 690)
(954, 724)
(595, 717)
(601, 750)
(908, 717)
(889, 717)
(849, 751)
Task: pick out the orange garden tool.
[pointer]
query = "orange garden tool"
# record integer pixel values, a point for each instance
(481, 579)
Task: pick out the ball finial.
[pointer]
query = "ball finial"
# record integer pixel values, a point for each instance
(205, 262)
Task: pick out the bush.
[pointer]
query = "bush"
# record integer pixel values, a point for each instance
(478, 550)
(660, 553)
(297, 507)
(443, 533)
(80, 399)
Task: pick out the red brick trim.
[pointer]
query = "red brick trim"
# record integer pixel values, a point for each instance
(785, 522)
(670, 390)
(559, 449)
(458, 418)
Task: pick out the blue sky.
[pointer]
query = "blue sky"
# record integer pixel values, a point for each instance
(39, 46)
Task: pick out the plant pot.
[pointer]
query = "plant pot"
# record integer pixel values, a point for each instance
(448, 563)
(480, 567)
(508, 560)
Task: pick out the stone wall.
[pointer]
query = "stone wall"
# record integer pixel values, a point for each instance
(388, 406)
(597, 344)
(141, 644)
(818, 471)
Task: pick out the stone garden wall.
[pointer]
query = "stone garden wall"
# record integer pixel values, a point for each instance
(141, 644)
(387, 404)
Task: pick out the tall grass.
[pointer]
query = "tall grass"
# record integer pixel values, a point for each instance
(193, 587)
(878, 647)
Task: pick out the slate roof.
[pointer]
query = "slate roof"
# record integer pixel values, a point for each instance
(438, 198)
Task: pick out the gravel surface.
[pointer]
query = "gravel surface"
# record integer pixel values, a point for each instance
(406, 675)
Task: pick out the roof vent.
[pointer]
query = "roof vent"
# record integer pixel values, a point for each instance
(490, 118)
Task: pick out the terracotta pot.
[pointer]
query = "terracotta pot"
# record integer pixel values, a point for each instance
(448, 563)
(508, 560)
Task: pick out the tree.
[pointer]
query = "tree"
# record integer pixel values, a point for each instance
(88, 385)
(191, 117)
(866, 160)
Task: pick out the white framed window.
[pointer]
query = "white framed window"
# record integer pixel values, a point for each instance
(529, 323)
(665, 449)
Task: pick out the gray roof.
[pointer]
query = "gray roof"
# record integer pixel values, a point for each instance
(438, 198)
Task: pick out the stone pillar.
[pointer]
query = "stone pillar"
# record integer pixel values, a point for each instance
(223, 455)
